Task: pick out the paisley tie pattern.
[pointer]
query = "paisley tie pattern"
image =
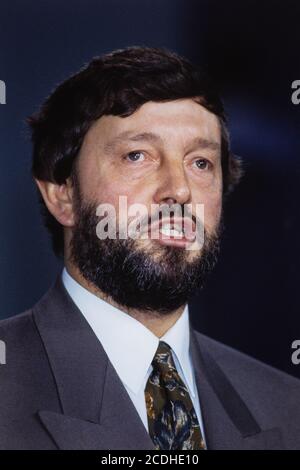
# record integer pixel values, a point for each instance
(172, 421)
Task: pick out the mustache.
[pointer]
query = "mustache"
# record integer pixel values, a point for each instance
(181, 212)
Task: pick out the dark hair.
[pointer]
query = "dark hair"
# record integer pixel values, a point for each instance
(117, 83)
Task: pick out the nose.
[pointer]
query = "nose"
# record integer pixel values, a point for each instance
(173, 187)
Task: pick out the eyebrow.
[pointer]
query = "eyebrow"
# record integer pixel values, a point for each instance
(154, 138)
(203, 143)
(126, 136)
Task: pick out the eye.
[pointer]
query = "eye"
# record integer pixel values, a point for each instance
(202, 164)
(135, 156)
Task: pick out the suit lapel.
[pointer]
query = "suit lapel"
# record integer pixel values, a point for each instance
(96, 410)
(120, 427)
(228, 423)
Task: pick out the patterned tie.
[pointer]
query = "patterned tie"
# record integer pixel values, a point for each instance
(172, 421)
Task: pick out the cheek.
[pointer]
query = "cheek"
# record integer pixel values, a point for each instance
(212, 212)
(110, 193)
(212, 209)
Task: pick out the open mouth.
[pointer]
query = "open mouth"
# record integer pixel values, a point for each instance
(171, 230)
(178, 231)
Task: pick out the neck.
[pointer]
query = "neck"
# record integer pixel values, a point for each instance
(157, 323)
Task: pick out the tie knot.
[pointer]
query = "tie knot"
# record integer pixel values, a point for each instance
(163, 359)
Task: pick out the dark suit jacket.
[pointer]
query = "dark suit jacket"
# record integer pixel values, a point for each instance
(58, 389)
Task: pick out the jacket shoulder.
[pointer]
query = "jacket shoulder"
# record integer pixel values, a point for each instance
(14, 326)
(24, 372)
(271, 394)
(235, 362)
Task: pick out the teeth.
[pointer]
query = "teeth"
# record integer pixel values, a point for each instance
(171, 231)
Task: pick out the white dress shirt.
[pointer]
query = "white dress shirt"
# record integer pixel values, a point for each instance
(130, 346)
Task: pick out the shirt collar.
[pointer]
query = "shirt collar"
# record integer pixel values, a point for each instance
(131, 354)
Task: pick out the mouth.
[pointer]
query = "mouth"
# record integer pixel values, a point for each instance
(173, 231)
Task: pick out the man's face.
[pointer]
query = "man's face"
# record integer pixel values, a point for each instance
(164, 153)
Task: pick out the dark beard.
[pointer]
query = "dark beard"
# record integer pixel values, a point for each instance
(160, 279)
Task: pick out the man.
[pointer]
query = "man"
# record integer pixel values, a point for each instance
(108, 359)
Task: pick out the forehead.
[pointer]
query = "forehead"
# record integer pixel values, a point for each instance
(179, 120)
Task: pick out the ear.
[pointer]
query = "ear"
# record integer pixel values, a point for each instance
(59, 200)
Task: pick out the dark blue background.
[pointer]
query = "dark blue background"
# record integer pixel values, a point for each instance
(252, 49)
